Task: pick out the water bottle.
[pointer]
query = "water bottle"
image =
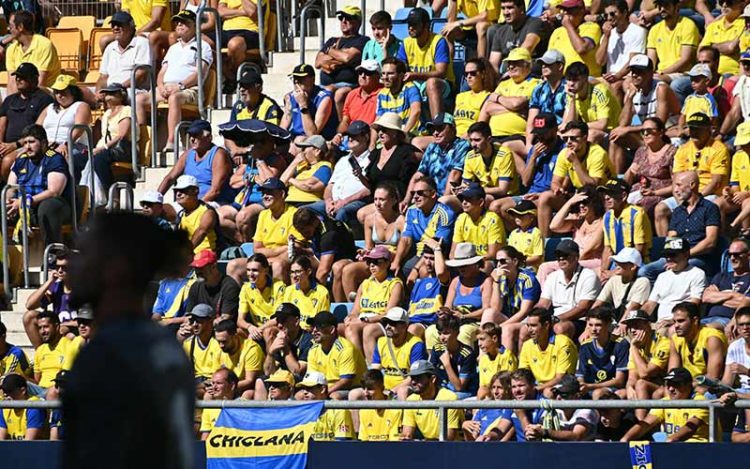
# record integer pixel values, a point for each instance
(290, 247)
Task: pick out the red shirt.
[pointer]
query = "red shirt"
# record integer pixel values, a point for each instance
(361, 108)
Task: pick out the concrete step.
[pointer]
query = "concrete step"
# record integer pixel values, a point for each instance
(20, 339)
(13, 320)
(152, 179)
(284, 62)
(22, 294)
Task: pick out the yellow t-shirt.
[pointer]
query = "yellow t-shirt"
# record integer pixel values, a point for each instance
(17, 422)
(695, 356)
(208, 419)
(713, 159)
(472, 8)
(598, 104)
(512, 123)
(489, 229)
(502, 167)
(528, 242)
(597, 165)
(73, 350)
(342, 361)
(427, 421)
(561, 41)
(667, 43)
(560, 356)
(375, 295)
(249, 356)
(468, 105)
(204, 357)
(192, 221)
(657, 354)
(674, 419)
(242, 21)
(49, 360)
(334, 424)
(740, 177)
(298, 195)
(696, 103)
(310, 304)
(260, 305)
(41, 52)
(141, 11)
(274, 233)
(505, 360)
(395, 372)
(380, 424)
(720, 31)
(422, 59)
(633, 224)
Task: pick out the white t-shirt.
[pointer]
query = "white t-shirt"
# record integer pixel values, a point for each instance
(343, 182)
(620, 46)
(737, 354)
(565, 296)
(118, 64)
(742, 90)
(586, 417)
(614, 291)
(671, 288)
(181, 58)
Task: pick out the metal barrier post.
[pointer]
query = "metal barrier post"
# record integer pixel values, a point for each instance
(71, 168)
(134, 118)
(117, 188)
(281, 46)
(24, 238)
(362, 7)
(261, 30)
(443, 423)
(382, 6)
(180, 125)
(219, 62)
(45, 261)
(199, 54)
(203, 8)
(711, 424)
(241, 71)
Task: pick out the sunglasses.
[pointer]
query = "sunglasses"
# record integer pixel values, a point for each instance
(278, 385)
(651, 131)
(387, 323)
(571, 138)
(471, 73)
(562, 256)
(64, 268)
(373, 261)
(365, 72)
(422, 193)
(745, 63)
(737, 254)
(195, 319)
(502, 261)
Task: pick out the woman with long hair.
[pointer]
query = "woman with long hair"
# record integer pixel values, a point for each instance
(482, 80)
(258, 298)
(304, 291)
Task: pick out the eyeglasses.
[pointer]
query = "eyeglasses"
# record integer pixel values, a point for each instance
(471, 73)
(649, 131)
(736, 254)
(571, 138)
(196, 319)
(365, 72)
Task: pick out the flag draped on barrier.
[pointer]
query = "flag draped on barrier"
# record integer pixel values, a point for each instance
(640, 455)
(262, 438)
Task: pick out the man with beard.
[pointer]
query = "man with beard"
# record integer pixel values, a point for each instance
(50, 355)
(213, 288)
(425, 386)
(253, 104)
(378, 424)
(399, 96)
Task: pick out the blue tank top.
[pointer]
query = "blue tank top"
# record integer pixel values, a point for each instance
(202, 170)
(473, 300)
(317, 95)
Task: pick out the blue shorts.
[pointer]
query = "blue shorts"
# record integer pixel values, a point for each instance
(422, 86)
(716, 320)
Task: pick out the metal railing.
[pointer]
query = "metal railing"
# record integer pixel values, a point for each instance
(177, 140)
(261, 31)
(134, 118)
(241, 71)
(203, 8)
(24, 236)
(281, 37)
(71, 169)
(45, 260)
(303, 32)
(117, 188)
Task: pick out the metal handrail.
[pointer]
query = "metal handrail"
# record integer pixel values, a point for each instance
(45, 260)
(281, 44)
(24, 238)
(261, 31)
(241, 71)
(71, 168)
(203, 8)
(180, 125)
(118, 187)
(303, 33)
(134, 118)
(362, 19)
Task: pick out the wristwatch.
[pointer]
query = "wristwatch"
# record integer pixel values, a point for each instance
(182, 86)
(304, 110)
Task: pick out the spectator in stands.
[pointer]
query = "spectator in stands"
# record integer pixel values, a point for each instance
(257, 299)
(700, 100)
(428, 219)
(582, 163)
(12, 357)
(576, 38)
(645, 98)
(690, 425)
(695, 219)
(548, 96)
(735, 196)
(223, 387)
(624, 290)
(308, 174)
(19, 110)
(427, 56)
(650, 174)
(333, 424)
(213, 288)
(280, 386)
(526, 237)
(239, 24)
(378, 424)
(328, 241)
(49, 356)
(383, 43)
(522, 387)
(305, 291)
(400, 97)
(56, 424)
(275, 226)
(148, 16)
(397, 352)
(426, 387)
(43, 177)
(196, 217)
(470, 292)
(362, 102)
(428, 292)
(309, 109)
(544, 147)
(737, 369)
(152, 206)
(443, 158)
(725, 33)
(728, 291)
(740, 110)
(197, 338)
(177, 81)
(603, 357)
(507, 108)
(253, 104)
(592, 103)
(335, 357)
(244, 357)
(547, 355)
(476, 225)
(519, 30)
(581, 215)
(114, 145)
(673, 58)
(170, 305)
(494, 359)
(455, 362)
(621, 40)
(207, 162)
(573, 424)
(476, 21)
(84, 322)
(649, 357)
(127, 51)
(340, 56)
(29, 47)
(21, 424)
(481, 79)
(32, 6)
(698, 348)
(55, 292)
(160, 40)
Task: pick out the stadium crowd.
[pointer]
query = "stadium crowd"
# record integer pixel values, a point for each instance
(561, 216)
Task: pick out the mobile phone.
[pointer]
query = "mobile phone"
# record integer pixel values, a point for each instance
(354, 163)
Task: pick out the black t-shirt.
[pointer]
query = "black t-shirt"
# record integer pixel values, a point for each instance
(615, 434)
(224, 297)
(22, 112)
(399, 168)
(507, 39)
(129, 400)
(300, 349)
(334, 237)
(345, 72)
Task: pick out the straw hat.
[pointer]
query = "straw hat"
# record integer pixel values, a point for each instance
(390, 121)
(465, 254)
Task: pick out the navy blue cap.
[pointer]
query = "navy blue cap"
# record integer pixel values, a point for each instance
(273, 184)
(26, 70)
(122, 17)
(474, 191)
(357, 128)
(198, 126)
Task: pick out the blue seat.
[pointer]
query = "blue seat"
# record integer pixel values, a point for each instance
(360, 243)
(438, 24)
(400, 30)
(726, 266)
(248, 249)
(550, 244)
(657, 248)
(341, 310)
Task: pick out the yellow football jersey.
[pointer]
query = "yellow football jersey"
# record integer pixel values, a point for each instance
(274, 233)
(468, 105)
(334, 424)
(343, 360)
(260, 305)
(203, 357)
(667, 43)
(49, 360)
(561, 42)
(672, 420)
(427, 420)
(596, 162)
(560, 356)
(310, 304)
(380, 424)
(375, 295)
(657, 353)
(740, 177)
(512, 123)
(695, 355)
(488, 229)
(249, 356)
(710, 160)
(505, 360)
(502, 167)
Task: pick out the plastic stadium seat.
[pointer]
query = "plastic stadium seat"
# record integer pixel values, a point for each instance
(549, 248)
(3, 78)
(69, 45)
(657, 246)
(84, 23)
(360, 243)
(726, 266)
(94, 52)
(341, 310)
(248, 249)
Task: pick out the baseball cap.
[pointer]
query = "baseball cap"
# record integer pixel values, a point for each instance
(63, 82)
(198, 126)
(518, 54)
(679, 375)
(700, 70)
(746, 12)
(273, 184)
(699, 119)
(552, 56)
(114, 88)
(303, 70)
(202, 310)
(641, 61)
(281, 377)
(567, 246)
(26, 70)
(316, 141)
(628, 256)
(378, 252)
(637, 315)
(568, 385)
(251, 77)
(569, 4)
(85, 313)
(418, 16)
(153, 197)
(422, 367)
(615, 186)
(350, 11)
(441, 118)
(524, 207)
(676, 245)
(397, 314)
(204, 258)
(185, 181)
(743, 134)
(473, 192)
(357, 128)
(370, 65)
(122, 18)
(285, 311)
(312, 379)
(323, 319)
(745, 55)
(183, 16)
(543, 122)
(61, 378)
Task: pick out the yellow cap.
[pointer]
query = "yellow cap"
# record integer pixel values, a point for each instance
(350, 10)
(63, 82)
(519, 53)
(281, 376)
(743, 134)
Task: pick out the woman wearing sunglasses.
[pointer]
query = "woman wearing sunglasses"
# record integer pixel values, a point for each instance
(304, 291)
(482, 79)
(650, 174)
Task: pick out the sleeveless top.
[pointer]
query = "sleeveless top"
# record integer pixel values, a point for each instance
(57, 123)
(316, 96)
(190, 223)
(390, 243)
(644, 104)
(472, 300)
(202, 170)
